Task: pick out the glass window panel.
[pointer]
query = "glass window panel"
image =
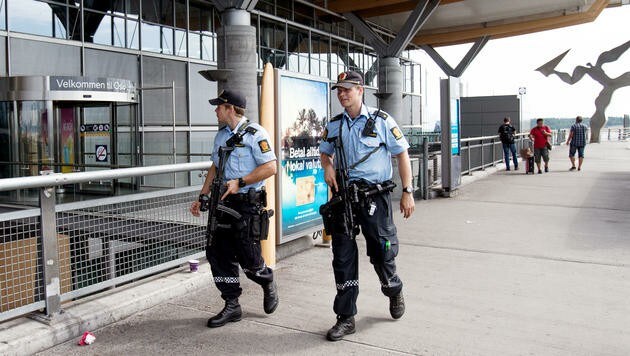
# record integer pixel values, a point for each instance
(3, 24)
(158, 142)
(194, 18)
(124, 143)
(158, 11)
(200, 90)
(103, 34)
(205, 21)
(304, 68)
(315, 67)
(106, 5)
(157, 39)
(119, 32)
(201, 142)
(167, 40)
(323, 69)
(208, 48)
(111, 31)
(180, 14)
(293, 63)
(132, 34)
(151, 38)
(133, 7)
(180, 43)
(59, 26)
(182, 143)
(30, 17)
(160, 180)
(194, 45)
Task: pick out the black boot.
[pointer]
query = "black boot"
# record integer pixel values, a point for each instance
(231, 312)
(343, 327)
(270, 300)
(397, 305)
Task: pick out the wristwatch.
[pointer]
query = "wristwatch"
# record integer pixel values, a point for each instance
(241, 183)
(408, 190)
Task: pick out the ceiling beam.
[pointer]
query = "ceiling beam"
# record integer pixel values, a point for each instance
(405, 6)
(435, 38)
(356, 5)
(376, 41)
(223, 5)
(415, 21)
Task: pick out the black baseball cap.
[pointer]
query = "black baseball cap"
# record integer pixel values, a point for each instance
(348, 80)
(230, 97)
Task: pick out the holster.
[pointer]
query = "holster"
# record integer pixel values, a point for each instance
(325, 210)
(335, 218)
(259, 226)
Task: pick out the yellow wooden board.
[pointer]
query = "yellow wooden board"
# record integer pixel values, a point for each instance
(267, 120)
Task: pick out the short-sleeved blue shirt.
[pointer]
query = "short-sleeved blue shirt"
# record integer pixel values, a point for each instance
(387, 137)
(254, 150)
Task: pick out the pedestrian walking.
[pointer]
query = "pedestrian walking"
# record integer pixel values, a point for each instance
(577, 143)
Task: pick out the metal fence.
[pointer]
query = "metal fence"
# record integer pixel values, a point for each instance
(60, 252)
(477, 153)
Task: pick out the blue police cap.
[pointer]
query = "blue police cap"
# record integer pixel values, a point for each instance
(348, 80)
(230, 97)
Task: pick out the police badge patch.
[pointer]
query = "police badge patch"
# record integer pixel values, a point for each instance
(396, 132)
(264, 146)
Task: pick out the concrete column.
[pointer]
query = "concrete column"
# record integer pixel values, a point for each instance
(390, 85)
(236, 50)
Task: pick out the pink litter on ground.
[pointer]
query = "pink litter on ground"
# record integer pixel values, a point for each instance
(87, 338)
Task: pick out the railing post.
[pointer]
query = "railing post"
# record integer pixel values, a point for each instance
(483, 162)
(493, 153)
(468, 149)
(50, 249)
(425, 168)
(609, 134)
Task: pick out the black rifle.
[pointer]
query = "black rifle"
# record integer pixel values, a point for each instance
(346, 195)
(213, 204)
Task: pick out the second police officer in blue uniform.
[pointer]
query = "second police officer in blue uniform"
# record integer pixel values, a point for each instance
(234, 243)
(368, 152)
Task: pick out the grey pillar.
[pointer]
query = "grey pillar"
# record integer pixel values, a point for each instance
(390, 87)
(236, 50)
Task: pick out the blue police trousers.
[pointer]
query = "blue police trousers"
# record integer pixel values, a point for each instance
(382, 248)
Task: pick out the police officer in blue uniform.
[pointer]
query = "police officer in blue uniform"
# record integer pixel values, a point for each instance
(368, 152)
(234, 243)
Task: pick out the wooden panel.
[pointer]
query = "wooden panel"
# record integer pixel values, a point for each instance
(65, 267)
(446, 37)
(404, 6)
(342, 6)
(18, 273)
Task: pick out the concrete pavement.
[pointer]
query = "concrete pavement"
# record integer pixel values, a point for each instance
(512, 265)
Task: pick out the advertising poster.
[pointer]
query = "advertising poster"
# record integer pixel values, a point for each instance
(67, 139)
(302, 109)
(455, 126)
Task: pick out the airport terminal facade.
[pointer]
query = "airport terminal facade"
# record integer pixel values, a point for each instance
(90, 85)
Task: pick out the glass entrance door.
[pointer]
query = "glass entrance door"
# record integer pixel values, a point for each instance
(93, 137)
(97, 150)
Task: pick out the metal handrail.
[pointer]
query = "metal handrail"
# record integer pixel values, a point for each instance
(56, 179)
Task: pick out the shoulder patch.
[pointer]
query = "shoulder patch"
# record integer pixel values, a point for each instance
(264, 146)
(251, 130)
(338, 117)
(380, 113)
(396, 132)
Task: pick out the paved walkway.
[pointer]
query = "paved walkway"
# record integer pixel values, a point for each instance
(513, 265)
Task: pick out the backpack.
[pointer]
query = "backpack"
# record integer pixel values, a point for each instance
(506, 135)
